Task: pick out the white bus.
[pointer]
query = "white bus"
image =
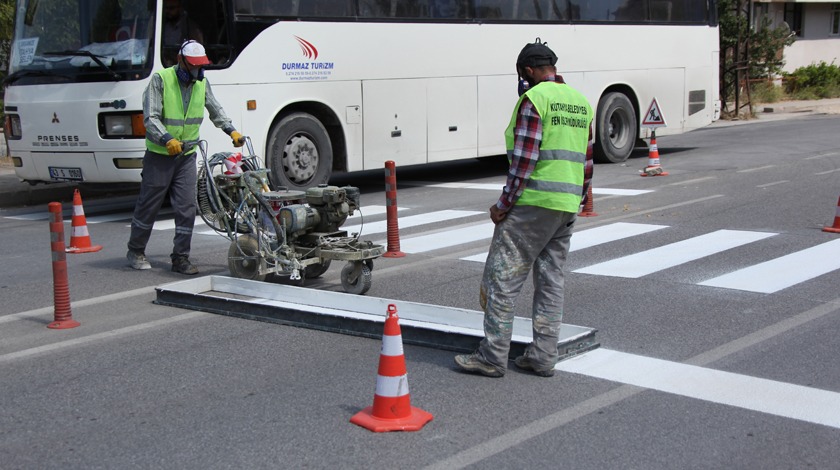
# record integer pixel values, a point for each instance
(326, 86)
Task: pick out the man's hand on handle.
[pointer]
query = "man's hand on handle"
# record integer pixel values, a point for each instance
(174, 147)
(238, 139)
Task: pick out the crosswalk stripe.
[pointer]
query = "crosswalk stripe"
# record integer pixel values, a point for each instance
(595, 236)
(499, 186)
(664, 257)
(447, 238)
(780, 273)
(410, 221)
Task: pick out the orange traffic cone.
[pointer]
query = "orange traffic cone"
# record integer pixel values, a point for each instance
(392, 410)
(836, 227)
(653, 168)
(588, 206)
(80, 239)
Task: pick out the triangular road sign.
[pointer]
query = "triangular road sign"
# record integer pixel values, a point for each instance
(654, 116)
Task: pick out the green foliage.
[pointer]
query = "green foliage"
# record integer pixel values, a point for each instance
(819, 78)
(765, 91)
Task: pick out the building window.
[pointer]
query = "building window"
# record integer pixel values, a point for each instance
(760, 12)
(793, 17)
(834, 28)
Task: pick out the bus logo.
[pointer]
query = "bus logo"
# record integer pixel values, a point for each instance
(55, 119)
(309, 51)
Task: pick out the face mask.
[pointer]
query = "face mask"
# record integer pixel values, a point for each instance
(197, 74)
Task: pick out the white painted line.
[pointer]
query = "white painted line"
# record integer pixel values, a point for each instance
(96, 337)
(447, 238)
(620, 192)
(780, 273)
(484, 186)
(767, 185)
(32, 217)
(499, 186)
(370, 211)
(827, 172)
(594, 236)
(822, 155)
(697, 180)
(410, 221)
(657, 259)
(77, 304)
(759, 168)
(751, 393)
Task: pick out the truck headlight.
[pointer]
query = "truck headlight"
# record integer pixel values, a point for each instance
(121, 125)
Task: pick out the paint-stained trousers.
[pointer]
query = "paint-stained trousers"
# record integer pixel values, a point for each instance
(162, 173)
(528, 238)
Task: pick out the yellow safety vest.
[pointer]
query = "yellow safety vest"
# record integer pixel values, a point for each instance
(180, 124)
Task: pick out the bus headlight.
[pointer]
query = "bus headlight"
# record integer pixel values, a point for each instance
(121, 125)
(12, 127)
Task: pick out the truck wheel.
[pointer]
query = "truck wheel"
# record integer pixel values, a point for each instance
(616, 128)
(360, 284)
(299, 152)
(244, 259)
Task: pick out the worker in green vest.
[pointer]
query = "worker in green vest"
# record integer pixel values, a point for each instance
(549, 149)
(173, 109)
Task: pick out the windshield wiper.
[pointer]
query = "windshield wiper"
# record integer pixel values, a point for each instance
(28, 73)
(94, 57)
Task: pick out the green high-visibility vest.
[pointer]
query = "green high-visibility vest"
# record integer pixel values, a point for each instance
(557, 180)
(181, 125)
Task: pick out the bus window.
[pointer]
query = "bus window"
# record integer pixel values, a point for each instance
(493, 9)
(450, 9)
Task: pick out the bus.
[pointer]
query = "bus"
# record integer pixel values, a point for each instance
(328, 86)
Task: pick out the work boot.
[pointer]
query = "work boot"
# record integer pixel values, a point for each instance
(526, 363)
(476, 364)
(137, 260)
(182, 265)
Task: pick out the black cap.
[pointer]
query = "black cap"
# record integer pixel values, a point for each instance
(536, 54)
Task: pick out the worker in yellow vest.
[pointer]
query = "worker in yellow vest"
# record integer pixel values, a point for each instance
(549, 146)
(173, 109)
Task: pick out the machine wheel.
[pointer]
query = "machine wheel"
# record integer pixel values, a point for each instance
(615, 131)
(299, 152)
(362, 282)
(244, 260)
(315, 270)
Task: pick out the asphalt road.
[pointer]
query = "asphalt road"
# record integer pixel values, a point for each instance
(714, 296)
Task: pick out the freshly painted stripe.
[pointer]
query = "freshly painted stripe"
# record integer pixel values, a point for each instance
(392, 345)
(447, 238)
(595, 236)
(392, 386)
(752, 393)
(780, 273)
(668, 256)
(620, 192)
(411, 221)
(499, 186)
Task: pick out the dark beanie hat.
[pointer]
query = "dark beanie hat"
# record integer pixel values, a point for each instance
(536, 54)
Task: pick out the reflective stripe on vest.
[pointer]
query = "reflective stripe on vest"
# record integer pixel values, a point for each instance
(181, 125)
(557, 180)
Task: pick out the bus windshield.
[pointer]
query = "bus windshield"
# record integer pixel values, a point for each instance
(60, 41)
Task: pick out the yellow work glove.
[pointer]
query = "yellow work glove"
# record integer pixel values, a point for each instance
(173, 147)
(238, 139)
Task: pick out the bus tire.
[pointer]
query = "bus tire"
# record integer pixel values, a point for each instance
(616, 128)
(299, 152)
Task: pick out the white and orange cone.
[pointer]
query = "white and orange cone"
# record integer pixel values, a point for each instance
(80, 238)
(392, 410)
(836, 227)
(653, 168)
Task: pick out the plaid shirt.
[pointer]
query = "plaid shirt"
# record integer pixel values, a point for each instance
(526, 152)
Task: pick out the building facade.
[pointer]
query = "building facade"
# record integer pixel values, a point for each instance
(815, 23)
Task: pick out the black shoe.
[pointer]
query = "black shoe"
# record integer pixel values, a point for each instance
(182, 265)
(525, 363)
(476, 364)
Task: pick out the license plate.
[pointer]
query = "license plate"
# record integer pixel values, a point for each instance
(65, 174)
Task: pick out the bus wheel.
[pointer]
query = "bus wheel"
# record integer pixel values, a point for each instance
(615, 131)
(299, 152)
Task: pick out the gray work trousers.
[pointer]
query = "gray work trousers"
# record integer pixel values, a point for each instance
(528, 238)
(162, 173)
